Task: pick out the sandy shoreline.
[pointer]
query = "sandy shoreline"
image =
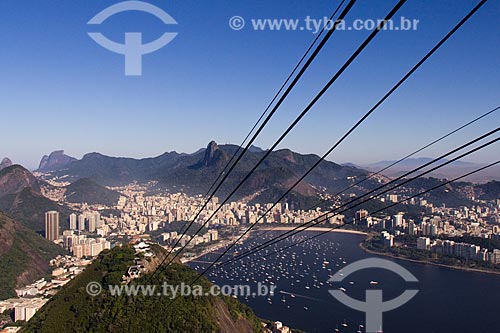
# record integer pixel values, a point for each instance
(344, 231)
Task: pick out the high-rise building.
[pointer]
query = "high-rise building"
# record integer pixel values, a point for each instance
(81, 222)
(494, 257)
(361, 214)
(412, 230)
(52, 225)
(92, 224)
(214, 235)
(423, 243)
(397, 220)
(97, 218)
(72, 221)
(387, 239)
(393, 198)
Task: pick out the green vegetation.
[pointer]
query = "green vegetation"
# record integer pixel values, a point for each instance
(489, 191)
(87, 191)
(72, 309)
(13, 264)
(22, 251)
(29, 207)
(447, 195)
(294, 199)
(240, 311)
(195, 173)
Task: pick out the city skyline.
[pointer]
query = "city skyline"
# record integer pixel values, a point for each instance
(268, 166)
(94, 107)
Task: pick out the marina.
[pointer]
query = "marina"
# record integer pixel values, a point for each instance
(302, 297)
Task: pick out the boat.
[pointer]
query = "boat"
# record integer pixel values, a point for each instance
(306, 308)
(342, 289)
(373, 283)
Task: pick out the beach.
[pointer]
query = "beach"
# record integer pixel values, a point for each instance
(345, 231)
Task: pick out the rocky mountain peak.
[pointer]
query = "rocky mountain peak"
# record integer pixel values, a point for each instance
(55, 161)
(6, 162)
(210, 152)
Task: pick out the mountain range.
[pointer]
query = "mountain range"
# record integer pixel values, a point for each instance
(23, 204)
(21, 198)
(195, 173)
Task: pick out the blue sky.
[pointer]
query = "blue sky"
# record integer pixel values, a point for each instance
(60, 90)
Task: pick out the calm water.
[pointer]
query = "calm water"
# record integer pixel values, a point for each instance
(448, 300)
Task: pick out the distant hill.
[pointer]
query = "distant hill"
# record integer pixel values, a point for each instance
(55, 161)
(452, 170)
(87, 191)
(24, 256)
(29, 207)
(20, 197)
(107, 170)
(411, 163)
(488, 191)
(72, 309)
(195, 173)
(449, 195)
(15, 178)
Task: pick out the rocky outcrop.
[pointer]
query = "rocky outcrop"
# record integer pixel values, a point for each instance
(6, 162)
(55, 161)
(210, 154)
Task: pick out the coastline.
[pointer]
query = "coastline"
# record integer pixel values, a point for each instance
(345, 231)
(425, 262)
(353, 232)
(226, 242)
(206, 251)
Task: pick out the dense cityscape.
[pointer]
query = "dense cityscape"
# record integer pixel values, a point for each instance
(250, 167)
(141, 217)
